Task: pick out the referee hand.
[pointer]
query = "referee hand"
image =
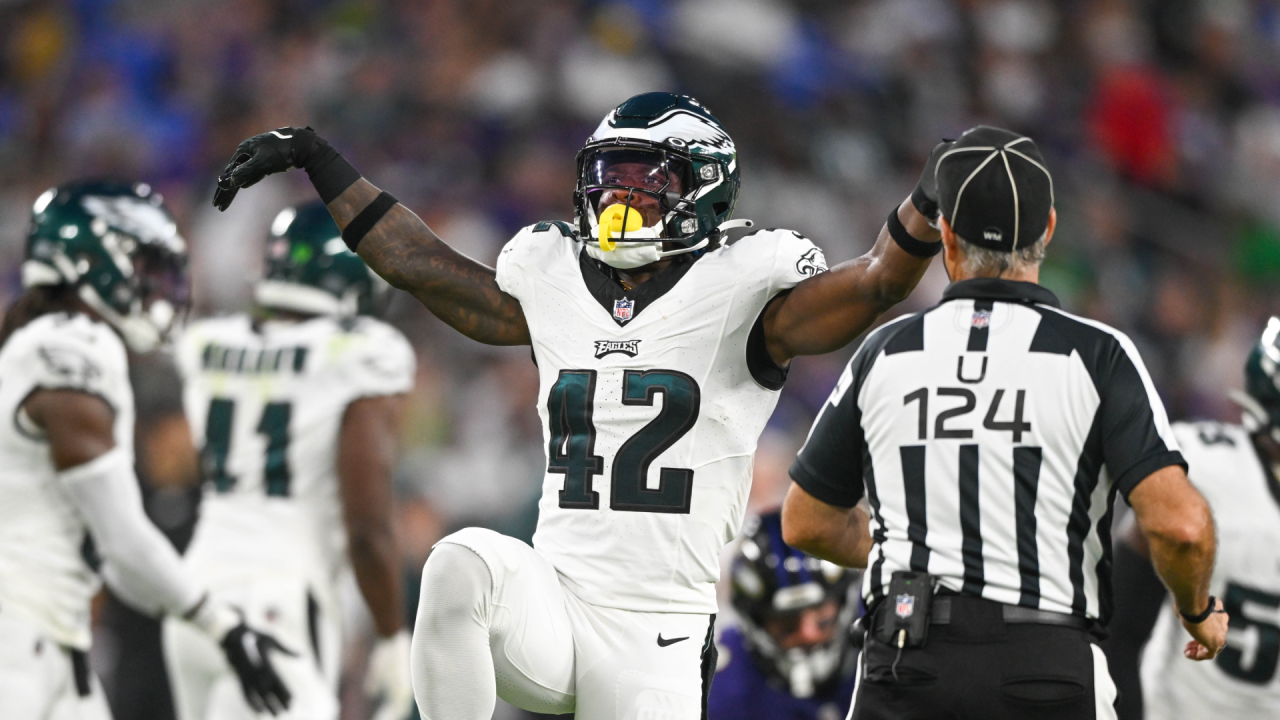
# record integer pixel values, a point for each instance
(1210, 635)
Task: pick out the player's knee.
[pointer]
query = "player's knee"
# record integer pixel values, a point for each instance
(455, 582)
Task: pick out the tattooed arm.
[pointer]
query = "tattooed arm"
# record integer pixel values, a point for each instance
(399, 246)
(458, 290)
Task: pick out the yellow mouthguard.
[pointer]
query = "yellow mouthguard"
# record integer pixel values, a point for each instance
(611, 223)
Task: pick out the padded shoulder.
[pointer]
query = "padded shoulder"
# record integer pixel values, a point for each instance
(374, 358)
(531, 248)
(69, 352)
(785, 256)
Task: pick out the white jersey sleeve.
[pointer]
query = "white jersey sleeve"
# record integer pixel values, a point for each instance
(522, 251)
(795, 258)
(63, 352)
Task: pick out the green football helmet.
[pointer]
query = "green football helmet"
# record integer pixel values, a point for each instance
(119, 246)
(309, 269)
(689, 167)
(1261, 397)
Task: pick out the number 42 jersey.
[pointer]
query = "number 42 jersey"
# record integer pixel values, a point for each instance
(265, 405)
(652, 401)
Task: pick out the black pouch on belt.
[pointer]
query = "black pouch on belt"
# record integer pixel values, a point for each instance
(904, 619)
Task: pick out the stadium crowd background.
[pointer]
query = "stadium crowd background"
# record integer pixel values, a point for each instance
(1160, 120)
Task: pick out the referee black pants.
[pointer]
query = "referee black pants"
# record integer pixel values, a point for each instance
(977, 667)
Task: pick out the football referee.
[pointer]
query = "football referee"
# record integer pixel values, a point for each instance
(989, 437)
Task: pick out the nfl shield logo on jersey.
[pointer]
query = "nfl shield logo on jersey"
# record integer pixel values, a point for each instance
(981, 318)
(622, 308)
(906, 606)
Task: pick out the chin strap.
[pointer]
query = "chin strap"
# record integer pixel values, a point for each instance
(731, 224)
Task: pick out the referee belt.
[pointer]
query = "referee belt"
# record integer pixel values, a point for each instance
(940, 614)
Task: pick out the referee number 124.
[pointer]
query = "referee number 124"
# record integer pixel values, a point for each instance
(948, 424)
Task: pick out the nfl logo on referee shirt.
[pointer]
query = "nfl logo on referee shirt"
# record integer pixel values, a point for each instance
(622, 308)
(981, 318)
(906, 606)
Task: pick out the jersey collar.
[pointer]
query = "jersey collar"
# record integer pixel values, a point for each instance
(611, 296)
(987, 288)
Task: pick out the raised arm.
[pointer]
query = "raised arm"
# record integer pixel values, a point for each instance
(387, 235)
(458, 290)
(827, 311)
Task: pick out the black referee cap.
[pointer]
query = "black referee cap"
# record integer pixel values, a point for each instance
(994, 189)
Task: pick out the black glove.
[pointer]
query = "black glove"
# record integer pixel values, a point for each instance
(278, 151)
(263, 155)
(925, 196)
(246, 651)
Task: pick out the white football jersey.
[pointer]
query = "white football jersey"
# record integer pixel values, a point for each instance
(651, 409)
(1242, 682)
(265, 406)
(44, 570)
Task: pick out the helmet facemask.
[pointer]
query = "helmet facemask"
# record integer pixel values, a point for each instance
(647, 185)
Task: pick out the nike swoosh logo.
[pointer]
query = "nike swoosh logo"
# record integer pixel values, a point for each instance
(278, 134)
(672, 641)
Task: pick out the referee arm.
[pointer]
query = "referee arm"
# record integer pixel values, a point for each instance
(826, 513)
(840, 535)
(1178, 527)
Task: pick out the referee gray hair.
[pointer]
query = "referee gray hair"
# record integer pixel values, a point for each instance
(979, 261)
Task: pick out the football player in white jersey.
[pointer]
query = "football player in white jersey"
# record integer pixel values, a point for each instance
(296, 410)
(104, 261)
(1237, 469)
(661, 347)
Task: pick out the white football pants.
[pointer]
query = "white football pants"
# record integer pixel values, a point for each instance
(36, 678)
(205, 687)
(494, 621)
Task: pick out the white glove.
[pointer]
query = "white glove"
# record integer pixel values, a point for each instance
(387, 682)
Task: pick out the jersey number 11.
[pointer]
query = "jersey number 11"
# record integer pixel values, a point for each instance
(274, 424)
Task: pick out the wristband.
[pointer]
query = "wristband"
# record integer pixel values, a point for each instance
(330, 173)
(368, 217)
(910, 245)
(1201, 617)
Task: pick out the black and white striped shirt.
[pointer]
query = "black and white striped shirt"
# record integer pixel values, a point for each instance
(990, 435)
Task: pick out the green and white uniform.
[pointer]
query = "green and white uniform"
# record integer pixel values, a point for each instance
(266, 403)
(652, 401)
(1243, 681)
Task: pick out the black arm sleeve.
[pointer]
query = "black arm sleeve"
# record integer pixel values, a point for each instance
(829, 466)
(1132, 418)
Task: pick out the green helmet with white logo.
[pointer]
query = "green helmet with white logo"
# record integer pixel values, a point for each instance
(119, 246)
(692, 175)
(309, 269)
